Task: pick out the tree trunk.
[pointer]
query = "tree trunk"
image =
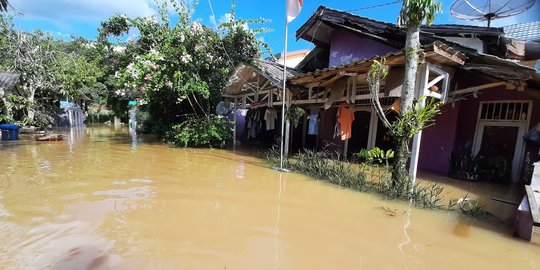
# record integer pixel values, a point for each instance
(412, 48)
(401, 156)
(7, 110)
(30, 107)
(401, 148)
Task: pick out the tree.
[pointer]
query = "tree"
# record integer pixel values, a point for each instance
(4, 5)
(412, 118)
(173, 69)
(50, 69)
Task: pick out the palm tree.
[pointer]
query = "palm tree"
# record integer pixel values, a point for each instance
(413, 13)
(3, 5)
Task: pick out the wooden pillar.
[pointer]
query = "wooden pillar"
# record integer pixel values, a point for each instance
(304, 129)
(345, 149)
(286, 139)
(421, 83)
(235, 123)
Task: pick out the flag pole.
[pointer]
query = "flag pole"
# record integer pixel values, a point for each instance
(283, 90)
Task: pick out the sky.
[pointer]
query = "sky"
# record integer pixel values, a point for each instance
(64, 18)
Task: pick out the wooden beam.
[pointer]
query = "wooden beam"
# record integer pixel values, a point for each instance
(535, 211)
(475, 88)
(335, 78)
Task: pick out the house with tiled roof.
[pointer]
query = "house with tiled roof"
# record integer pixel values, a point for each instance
(491, 95)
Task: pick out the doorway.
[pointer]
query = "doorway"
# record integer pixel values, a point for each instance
(499, 138)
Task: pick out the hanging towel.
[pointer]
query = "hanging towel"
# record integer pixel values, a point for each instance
(345, 118)
(313, 121)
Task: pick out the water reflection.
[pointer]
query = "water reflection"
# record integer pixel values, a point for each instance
(239, 170)
(278, 216)
(133, 134)
(76, 135)
(97, 203)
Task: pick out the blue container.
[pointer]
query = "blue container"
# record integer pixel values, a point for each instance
(9, 132)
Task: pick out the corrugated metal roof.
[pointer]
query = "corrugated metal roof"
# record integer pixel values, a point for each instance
(523, 31)
(388, 55)
(274, 71)
(355, 63)
(270, 70)
(8, 79)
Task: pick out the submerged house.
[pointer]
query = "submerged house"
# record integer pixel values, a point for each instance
(490, 88)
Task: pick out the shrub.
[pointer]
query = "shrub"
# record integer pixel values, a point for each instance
(373, 174)
(211, 131)
(101, 116)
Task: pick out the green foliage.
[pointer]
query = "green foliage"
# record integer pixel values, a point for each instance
(5, 119)
(51, 69)
(416, 119)
(211, 131)
(320, 166)
(173, 67)
(294, 114)
(377, 72)
(467, 206)
(415, 12)
(367, 176)
(376, 155)
(463, 163)
(115, 26)
(4, 5)
(95, 116)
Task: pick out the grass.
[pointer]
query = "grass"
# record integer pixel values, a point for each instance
(369, 177)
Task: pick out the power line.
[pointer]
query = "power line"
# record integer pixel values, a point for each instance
(225, 50)
(375, 6)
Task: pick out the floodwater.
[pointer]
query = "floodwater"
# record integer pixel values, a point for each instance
(99, 200)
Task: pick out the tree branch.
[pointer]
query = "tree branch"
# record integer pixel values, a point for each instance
(376, 74)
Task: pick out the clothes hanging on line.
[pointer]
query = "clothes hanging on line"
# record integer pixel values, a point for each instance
(313, 121)
(270, 117)
(345, 118)
(254, 123)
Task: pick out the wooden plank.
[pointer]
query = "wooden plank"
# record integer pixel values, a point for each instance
(335, 78)
(476, 88)
(533, 205)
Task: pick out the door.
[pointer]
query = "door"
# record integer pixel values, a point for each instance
(499, 138)
(499, 144)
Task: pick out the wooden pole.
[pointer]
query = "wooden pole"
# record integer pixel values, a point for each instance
(235, 123)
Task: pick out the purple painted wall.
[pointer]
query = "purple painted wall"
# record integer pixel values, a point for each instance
(346, 47)
(438, 140)
(240, 122)
(455, 127)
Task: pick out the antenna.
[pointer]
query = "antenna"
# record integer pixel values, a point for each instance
(488, 10)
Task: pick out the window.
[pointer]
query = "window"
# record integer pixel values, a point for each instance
(505, 111)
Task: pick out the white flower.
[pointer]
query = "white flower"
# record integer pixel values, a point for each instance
(197, 27)
(182, 37)
(185, 58)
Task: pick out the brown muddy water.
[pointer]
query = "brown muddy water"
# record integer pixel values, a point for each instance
(100, 201)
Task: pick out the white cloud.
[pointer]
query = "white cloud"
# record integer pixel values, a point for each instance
(61, 35)
(225, 18)
(89, 10)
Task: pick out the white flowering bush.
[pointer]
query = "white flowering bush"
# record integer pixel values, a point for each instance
(175, 69)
